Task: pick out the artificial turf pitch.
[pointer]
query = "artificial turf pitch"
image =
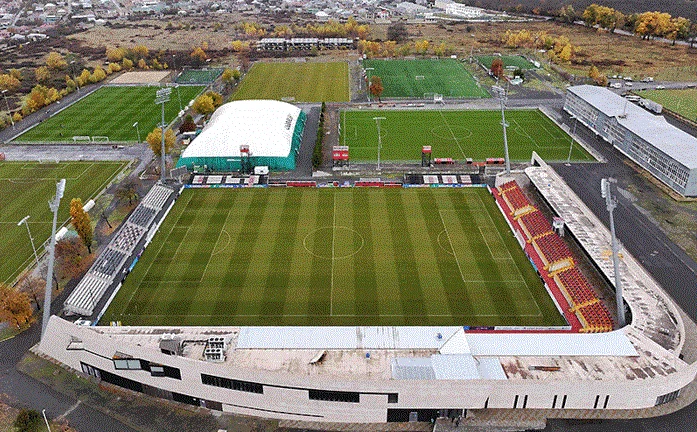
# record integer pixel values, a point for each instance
(111, 112)
(26, 188)
(301, 82)
(519, 62)
(344, 256)
(455, 134)
(422, 78)
(198, 76)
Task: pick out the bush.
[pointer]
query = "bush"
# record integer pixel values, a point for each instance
(28, 421)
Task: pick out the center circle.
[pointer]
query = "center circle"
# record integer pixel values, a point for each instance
(333, 243)
(452, 133)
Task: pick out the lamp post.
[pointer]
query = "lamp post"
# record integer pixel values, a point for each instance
(135, 125)
(4, 94)
(501, 95)
(53, 205)
(377, 122)
(367, 74)
(571, 145)
(31, 239)
(77, 84)
(179, 96)
(43, 412)
(162, 97)
(611, 204)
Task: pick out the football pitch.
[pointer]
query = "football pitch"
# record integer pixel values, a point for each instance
(683, 102)
(111, 112)
(198, 76)
(25, 188)
(340, 256)
(299, 82)
(508, 61)
(423, 78)
(455, 134)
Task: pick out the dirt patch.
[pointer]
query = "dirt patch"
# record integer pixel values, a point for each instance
(149, 77)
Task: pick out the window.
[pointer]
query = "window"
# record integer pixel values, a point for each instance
(563, 402)
(392, 398)
(515, 401)
(667, 397)
(597, 398)
(334, 396)
(157, 371)
(127, 364)
(245, 386)
(554, 402)
(90, 370)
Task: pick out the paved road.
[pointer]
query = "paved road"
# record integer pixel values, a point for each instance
(668, 264)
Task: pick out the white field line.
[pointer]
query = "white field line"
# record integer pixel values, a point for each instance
(451, 132)
(331, 288)
(327, 316)
(447, 234)
(210, 257)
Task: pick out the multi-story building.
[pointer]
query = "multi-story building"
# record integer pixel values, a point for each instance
(649, 140)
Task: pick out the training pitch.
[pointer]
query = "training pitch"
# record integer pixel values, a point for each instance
(422, 78)
(110, 112)
(455, 134)
(26, 188)
(683, 102)
(298, 82)
(519, 62)
(198, 76)
(347, 256)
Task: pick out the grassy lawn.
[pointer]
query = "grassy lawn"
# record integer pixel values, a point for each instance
(508, 60)
(198, 76)
(25, 188)
(683, 102)
(111, 112)
(455, 134)
(416, 78)
(334, 257)
(304, 82)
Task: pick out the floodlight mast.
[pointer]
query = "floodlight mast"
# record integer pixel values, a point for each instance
(31, 239)
(377, 122)
(501, 95)
(611, 204)
(162, 97)
(8, 108)
(53, 205)
(367, 74)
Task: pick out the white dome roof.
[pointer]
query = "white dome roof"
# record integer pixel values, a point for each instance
(267, 126)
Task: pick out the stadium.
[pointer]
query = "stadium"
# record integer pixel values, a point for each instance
(433, 293)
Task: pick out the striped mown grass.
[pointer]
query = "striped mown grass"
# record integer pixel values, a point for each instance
(334, 257)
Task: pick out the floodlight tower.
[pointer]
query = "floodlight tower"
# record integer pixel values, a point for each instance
(500, 93)
(377, 122)
(162, 97)
(135, 125)
(53, 205)
(8, 108)
(367, 85)
(31, 239)
(611, 203)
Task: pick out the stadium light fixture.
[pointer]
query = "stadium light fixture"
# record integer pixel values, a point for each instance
(135, 125)
(54, 204)
(4, 94)
(377, 122)
(31, 239)
(611, 204)
(500, 93)
(367, 85)
(162, 97)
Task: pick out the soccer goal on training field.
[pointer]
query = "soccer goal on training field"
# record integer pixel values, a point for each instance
(419, 77)
(100, 138)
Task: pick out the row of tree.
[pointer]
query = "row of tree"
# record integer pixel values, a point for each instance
(559, 48)
(332, 28)
(373, 49)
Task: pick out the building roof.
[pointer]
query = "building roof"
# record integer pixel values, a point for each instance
(672, 141)
(267, 126)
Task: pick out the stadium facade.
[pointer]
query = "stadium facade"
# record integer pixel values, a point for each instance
(273, 131)
(380, 374)
(649, 140)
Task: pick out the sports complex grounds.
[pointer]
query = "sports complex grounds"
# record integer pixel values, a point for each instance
(334, 256)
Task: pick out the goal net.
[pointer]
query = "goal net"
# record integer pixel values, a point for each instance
(100, 138)
(81, 138)
(51, 161)
(419, 77)
(438, 98)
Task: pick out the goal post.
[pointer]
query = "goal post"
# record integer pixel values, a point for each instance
(100, 138)
(419, 77)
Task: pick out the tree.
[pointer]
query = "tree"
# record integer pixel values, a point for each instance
(84, 78)
(55, 61)
(565, 53)
(217, 98)
(70, 259)
(9, 83)
(15, 307)
(239, 46)
(142, 64)
(34, 287)
(140, 51)
(27, 421)
(376, 88)
(188, 125)
(198, 55)
(16, 73)
(154, 140)
(567, 14)
(397, 32)
(42, 74)
(497, 67)
(115, 55)
(80, 220)
(98, 75)
(595, 75)
(129, 190)
(127, 64)
(204, 105)
(236, 74)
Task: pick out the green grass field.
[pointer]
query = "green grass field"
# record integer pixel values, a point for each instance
(25, 188)
(305, 82)
(334, 257)
(416, 78)
(508, 60)
(456, 134)
(683, 102)
(198, 76)
(111, 112)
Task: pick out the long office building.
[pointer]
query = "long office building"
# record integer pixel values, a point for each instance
(649, 140)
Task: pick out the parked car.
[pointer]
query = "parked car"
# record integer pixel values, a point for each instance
(616, 85)
(660, 87)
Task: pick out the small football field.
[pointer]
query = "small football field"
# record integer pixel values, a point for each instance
(683, 102)
(109, 114)
(424, 78)
(340, 256)
(513, 61)
(455, 134)
(296, 82)
(26, 188)
(198, 76)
